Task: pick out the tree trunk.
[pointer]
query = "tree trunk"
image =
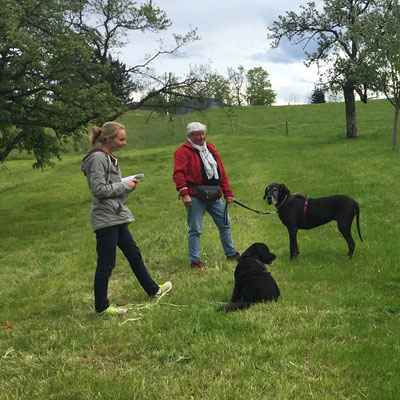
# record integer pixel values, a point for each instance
(10, 146)
(350, 104)
(395, 126)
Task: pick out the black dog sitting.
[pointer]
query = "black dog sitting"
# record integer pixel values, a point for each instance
(253, 282)
(299, 212)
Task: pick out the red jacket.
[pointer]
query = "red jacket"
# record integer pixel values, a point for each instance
(187, 170)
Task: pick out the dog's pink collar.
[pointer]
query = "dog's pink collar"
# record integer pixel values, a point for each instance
(305, 207)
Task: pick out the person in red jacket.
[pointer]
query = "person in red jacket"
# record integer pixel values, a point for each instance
(198, 163)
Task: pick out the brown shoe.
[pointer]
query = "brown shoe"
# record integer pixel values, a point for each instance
(197, 264)
(235, 257)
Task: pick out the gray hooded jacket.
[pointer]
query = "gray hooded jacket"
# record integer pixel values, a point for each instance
(108, 191)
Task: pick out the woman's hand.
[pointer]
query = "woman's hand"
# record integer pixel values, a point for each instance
(133, 183)
(230, 200)
(187, 200)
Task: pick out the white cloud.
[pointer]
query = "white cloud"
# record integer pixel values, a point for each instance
(233, 33)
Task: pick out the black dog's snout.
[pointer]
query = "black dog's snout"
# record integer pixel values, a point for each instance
(266, 196)
(269, 198)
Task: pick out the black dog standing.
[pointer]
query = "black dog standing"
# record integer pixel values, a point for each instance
(299, 212)
(253, 282)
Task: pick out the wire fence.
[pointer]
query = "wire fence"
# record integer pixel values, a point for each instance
(288, 127)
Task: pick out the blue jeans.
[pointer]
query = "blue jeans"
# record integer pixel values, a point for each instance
(107, 241)
(195, 215)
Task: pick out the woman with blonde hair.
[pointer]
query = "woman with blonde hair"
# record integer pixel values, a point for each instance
(110, 216)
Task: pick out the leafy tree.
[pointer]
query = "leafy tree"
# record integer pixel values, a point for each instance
(384, 43)
(259, 92)
(211, 88)
(338, 32)
(121, 81)
(201, 89)
(317, 96)
(57, 72)
(116, 18)
(236, 80)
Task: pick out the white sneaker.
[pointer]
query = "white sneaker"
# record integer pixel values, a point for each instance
(164, 289)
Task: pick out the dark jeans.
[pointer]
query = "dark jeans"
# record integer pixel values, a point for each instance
(107, 241)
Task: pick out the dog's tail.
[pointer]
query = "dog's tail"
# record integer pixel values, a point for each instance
(241, 305)
(357, 212)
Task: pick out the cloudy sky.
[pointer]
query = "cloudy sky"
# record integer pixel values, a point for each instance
(233, 33)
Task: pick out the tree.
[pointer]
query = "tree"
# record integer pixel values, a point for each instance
(57, 72)
(338, 33)
(121, 81)
(203, 88)
(236, 80)
(317, 96)
(384, 42)
(259, 92)
(114, 19)
(43, 64)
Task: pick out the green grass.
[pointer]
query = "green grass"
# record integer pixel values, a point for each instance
(334, 333)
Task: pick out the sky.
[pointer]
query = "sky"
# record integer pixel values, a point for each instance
(233, 33)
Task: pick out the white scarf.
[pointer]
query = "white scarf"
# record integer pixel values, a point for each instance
(210, 165)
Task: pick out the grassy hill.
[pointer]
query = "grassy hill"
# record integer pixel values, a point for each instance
(332, 335)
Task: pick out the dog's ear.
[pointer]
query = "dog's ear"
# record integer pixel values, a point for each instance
(284, 189)
(249, 251)
(263, 253)
(256, 250)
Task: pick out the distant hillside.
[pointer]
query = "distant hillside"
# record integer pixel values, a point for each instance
(149, 129)
(375, 117)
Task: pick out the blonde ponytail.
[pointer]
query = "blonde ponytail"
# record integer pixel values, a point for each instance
(96, 132)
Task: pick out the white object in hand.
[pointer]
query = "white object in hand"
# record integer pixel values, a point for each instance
(129, 178)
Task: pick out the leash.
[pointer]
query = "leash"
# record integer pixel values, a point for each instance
(248, 208)
(251, 209)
